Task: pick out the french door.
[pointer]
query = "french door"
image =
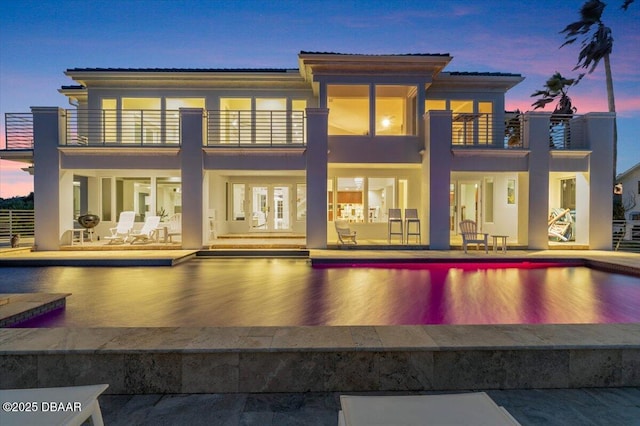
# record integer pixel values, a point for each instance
(464, 198)
(270, 208)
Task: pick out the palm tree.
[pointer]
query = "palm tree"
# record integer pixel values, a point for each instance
(556, 86)
(597, 44)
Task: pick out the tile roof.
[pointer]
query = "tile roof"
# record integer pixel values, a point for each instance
(195, 70)
(303, 52)
(484, 74)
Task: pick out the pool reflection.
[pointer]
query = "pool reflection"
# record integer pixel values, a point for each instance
(277, 292)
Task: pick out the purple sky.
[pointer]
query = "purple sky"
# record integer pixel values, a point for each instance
(39, 39)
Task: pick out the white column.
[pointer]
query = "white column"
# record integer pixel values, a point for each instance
(47, 134)
(536, 133)
(600, 139)
(436, 176)
(191, 157)
(317, 160)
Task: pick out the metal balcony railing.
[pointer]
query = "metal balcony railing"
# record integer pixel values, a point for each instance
(566, 132)
(256, 128)
(18, 131)
(122, 127)
(476, 130)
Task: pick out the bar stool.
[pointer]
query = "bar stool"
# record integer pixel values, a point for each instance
(395, 217)
(411, 217)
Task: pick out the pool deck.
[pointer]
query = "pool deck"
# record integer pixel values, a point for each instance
(326, 360)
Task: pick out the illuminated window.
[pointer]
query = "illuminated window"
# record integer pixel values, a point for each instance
(381, 196)
(395, 110)
(485, 123)
(235, 120)
(348, 109)
(301, 201)
(172, 116)
(238, 201)
(109, 120)
(298, 121)
(488, 200)
(168, 196)
(133, 194)
(463, 122)
(141, 119)
(350, 199)
(435, 105)
(271, 121)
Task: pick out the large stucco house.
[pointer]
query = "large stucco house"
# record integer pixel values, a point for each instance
(289, 151)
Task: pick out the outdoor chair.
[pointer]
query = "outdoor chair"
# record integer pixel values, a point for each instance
(149, 230)
(345, 235)
(84, 409)
(447, 409)
(121, 232)
(395, 218)
(174, 227)
(470, 235)
(411, 218)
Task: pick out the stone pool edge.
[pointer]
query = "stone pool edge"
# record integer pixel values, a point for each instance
(323, 359)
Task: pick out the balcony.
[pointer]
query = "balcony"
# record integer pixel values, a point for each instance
(18, 131)
(566, 132)
(256, 129)
(136, 128)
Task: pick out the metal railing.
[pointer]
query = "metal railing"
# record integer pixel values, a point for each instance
(256, 128)
(566, 132)
(626, 236)
(14, 222)
(18, 130)
(477, 130)
(121, 127)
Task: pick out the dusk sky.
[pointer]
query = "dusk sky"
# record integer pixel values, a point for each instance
(40, 39)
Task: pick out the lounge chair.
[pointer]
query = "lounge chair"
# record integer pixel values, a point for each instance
(73, 405)
(560, 224)
(447, 409)
(121, 232)
(470, 235)
(149, 230)
(345, 235)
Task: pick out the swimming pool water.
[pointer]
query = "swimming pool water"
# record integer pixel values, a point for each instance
(279, 292)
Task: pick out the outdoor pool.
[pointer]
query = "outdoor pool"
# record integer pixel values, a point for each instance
(280, 292)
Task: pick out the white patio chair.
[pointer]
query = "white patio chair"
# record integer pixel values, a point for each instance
(470, 235)
(121, 232)
(149, 230)
(174, 227)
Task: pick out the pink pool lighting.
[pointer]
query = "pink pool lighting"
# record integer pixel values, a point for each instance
(278, 292)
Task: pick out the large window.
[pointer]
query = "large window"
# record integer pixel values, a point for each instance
(172, 119)
(235, 120)
(381, 193)
(141, 118)
(271, 121)
(168, 196)
(395, 110)
(350, 199)
(109, 121)
(485, 123)
(298, 122)
(133, 194)
(351, 204)
(348, 109)
(301, 201)
(238, 193)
